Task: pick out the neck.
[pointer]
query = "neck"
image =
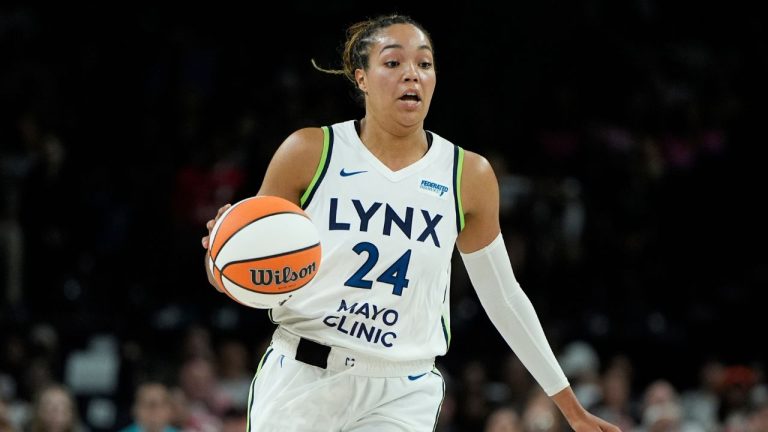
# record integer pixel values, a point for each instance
(395, 147)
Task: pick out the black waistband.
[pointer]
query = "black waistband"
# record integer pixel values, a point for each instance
(312, 353)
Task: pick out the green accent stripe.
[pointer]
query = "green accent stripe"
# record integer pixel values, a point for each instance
(250, 400)
(322, 167)
(253, 385)
(446, 332)
(439, 407)
(458, 167)
(263, 360)
(458, 186)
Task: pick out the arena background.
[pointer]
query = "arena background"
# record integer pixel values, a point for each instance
(625, 136)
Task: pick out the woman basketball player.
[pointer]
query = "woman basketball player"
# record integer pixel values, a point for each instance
(356, 351)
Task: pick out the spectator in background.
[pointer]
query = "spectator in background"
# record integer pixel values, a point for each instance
(446, 419)
(662, 411)
(234, 373)
(541, 414)
(738, 382)
(55, 410)
(758, 419)
(6, 425)
(201, 185)
(197, 343)
(517, 379)
(703, 403)
(474, 404)
(234, 420)
(504, 419)
(616, 398)
(581, 365)
(152, 411)
(199, 401)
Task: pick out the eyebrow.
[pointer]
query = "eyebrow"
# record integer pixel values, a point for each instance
(426, 47)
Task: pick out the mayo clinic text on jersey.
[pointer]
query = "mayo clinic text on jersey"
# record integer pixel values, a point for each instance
(365, 321)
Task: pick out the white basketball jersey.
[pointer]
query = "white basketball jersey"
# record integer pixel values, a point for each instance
(387, 239)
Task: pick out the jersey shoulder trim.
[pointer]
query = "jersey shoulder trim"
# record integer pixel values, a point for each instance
(458, 166)
(322, 167)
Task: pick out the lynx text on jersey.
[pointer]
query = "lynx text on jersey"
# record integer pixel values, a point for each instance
(404, 221)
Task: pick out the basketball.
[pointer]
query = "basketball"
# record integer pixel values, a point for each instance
(262, 250)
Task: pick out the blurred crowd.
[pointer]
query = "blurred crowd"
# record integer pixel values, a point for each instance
(617, 133)
(198, 380)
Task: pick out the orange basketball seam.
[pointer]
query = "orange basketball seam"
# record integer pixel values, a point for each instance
(267, 257)
(249, 208)
(219, 276)
(247, 225)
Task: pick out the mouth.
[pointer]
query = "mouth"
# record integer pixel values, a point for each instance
(410, 96)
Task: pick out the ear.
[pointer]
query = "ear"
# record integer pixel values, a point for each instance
(361, 81)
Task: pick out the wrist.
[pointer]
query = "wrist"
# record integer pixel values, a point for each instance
(569, 405)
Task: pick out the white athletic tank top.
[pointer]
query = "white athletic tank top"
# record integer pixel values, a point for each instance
(387, 238)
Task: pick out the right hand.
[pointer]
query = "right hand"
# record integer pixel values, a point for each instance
(207, 243)
(210, 224)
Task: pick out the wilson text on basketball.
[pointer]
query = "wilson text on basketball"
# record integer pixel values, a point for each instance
(280, 276)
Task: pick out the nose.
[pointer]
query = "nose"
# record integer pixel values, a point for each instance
(411, 72)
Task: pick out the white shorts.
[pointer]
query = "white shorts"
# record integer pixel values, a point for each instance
(351, 393)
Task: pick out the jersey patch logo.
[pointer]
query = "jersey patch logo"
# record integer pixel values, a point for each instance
(432, 188)
(350, 173)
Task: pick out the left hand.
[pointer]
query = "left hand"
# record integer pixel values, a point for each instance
(592, 423)
(578, 418)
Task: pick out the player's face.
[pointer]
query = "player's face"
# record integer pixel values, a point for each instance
(400, 78)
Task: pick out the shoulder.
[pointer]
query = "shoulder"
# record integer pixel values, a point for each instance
(479, 186)
(303, 147)
(303, 142)
(480, 203)
(293, 165)
(477, 170)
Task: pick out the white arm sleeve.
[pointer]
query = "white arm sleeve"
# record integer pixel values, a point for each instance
(512, 313)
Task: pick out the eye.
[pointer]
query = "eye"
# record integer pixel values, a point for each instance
(425, 65)
(392, 64)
